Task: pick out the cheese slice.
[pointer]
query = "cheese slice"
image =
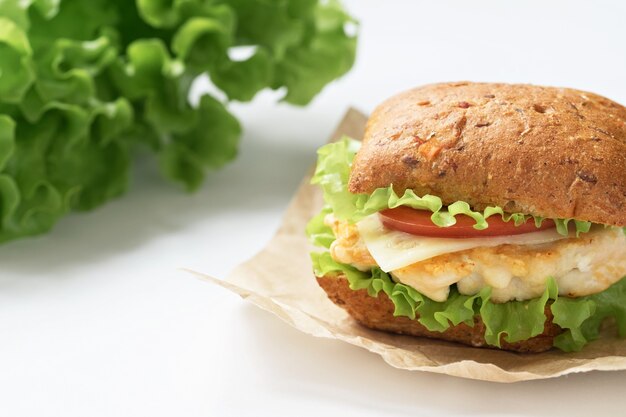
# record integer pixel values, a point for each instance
(392, 249)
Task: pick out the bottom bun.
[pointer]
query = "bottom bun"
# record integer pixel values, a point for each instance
(377, 313)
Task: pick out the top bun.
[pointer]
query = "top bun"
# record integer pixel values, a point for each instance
(551, 152)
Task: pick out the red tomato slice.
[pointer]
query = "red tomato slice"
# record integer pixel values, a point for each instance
(417, 222)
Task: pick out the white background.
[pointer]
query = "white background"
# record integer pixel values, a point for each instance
(96, 320)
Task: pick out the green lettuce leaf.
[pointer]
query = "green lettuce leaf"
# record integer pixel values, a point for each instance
(307, 39)
(332, 174)
(324, 54)
(319, 233)
(189, 154)
(513, 321)
(16, 66)
(83, 84)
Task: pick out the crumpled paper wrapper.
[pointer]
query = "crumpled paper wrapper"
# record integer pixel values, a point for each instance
(280, 280)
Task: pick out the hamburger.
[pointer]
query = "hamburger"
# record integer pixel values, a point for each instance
(486, 214)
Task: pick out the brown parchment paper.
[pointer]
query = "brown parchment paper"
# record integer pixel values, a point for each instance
(279, 279)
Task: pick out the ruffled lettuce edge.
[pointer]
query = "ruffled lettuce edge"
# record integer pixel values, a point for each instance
(332, 174)
(513, 321)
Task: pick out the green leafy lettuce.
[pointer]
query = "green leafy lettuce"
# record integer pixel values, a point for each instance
(333, 172)
(85, 83)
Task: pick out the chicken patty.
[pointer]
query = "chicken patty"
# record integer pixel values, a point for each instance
(581, 266)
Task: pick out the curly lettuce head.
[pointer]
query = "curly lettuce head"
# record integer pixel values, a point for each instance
(83, 83)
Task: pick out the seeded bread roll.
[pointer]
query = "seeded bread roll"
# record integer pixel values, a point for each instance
(377, 313)
(552, 152)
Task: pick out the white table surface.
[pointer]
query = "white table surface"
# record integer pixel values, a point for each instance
(96, 320)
